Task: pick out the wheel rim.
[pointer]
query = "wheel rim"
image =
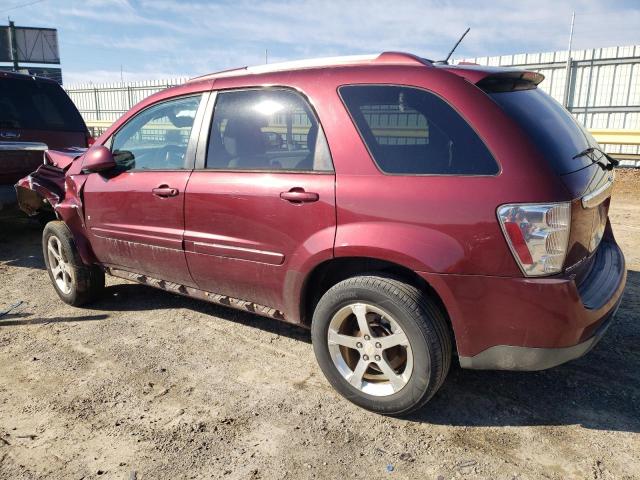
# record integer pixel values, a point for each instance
(370, 349)
(60, 268)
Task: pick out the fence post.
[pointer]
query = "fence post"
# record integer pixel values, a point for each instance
(96, 96)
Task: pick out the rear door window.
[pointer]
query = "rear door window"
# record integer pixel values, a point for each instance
(37, 105)
(266, 129)
(410, 131)
(553, 129)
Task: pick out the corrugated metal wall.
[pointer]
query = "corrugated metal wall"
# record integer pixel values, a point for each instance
(604, 92)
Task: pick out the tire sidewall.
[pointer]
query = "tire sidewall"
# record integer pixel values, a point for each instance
(422, 376)
(60, 231)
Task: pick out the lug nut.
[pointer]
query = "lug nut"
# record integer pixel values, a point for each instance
(366, 337)
(377, 357)
(365, 357)
(359, 345)
(378, 345)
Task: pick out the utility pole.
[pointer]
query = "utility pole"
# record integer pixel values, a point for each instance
(567, 86)
(14, 45)
(266, 56)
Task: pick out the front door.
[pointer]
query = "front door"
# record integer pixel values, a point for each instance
(135, 214)
(263, 205)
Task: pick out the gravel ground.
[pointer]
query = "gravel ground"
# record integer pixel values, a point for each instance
(148, 385)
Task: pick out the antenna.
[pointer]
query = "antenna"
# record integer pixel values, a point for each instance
(446, 60)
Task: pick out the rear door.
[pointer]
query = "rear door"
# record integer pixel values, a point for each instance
(135, 215)
(261, 205)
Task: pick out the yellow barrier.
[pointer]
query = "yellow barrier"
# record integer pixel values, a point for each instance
(617, 137)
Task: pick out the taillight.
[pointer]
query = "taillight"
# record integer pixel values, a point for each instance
(537, 234)
(90, 139)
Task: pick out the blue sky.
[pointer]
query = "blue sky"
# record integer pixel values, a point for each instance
(161, 38)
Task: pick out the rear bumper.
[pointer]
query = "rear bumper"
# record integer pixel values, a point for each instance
(531, 323)
(508, 357)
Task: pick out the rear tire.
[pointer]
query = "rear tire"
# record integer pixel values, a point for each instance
(399, 364)
(74, 282)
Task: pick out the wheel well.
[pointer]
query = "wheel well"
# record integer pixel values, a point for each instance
(328, 273)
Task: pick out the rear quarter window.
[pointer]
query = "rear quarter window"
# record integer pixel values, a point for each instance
(411, 131)
(37, 105)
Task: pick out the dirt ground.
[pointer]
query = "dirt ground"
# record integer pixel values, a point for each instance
(148, 385)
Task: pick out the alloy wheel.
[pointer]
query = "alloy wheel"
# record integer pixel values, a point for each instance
(60, 268)
(370, 349)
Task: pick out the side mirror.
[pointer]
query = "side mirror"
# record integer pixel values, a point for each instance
(98, 159)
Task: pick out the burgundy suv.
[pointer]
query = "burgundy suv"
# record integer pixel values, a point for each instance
(35, 114)
(402, 210)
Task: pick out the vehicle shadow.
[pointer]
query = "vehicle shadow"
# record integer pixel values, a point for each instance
(20, 240)
(136, 297)
(598, 391)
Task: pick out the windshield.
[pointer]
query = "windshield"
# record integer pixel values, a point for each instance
(35, 105)
(554, 130)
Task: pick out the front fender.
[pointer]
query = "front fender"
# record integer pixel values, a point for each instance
(49, 184)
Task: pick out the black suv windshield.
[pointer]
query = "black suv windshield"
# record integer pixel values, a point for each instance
(554, 130)
(36, 105)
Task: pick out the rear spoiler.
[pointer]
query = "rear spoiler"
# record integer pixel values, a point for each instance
(497, 79)
(510, 81)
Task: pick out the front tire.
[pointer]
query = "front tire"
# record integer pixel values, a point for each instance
(74, 282)
(382, 343)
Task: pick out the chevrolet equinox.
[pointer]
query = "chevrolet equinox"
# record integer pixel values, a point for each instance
(406, 212)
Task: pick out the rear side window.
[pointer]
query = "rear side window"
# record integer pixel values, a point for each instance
(413, 132)
(33, 105)
(266, 129)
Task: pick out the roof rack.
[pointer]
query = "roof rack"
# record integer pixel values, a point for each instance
(401, 58)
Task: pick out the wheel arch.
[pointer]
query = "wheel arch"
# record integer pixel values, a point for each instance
(328, 273)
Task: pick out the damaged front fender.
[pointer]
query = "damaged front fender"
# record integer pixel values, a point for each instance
(58, 185)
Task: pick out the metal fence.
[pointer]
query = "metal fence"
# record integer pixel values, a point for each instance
(603, 90)
(102, 104)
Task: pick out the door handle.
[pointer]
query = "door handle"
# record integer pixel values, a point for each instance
(297, 195)
(165, 191)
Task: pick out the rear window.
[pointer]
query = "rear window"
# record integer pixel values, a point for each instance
(413, 132)
(33, 105)
(552, 128)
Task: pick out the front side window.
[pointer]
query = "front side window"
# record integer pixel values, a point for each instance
(266, 129)
(413, 132)
(157, 138)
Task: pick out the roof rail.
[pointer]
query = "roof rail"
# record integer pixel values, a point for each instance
(384, 57)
